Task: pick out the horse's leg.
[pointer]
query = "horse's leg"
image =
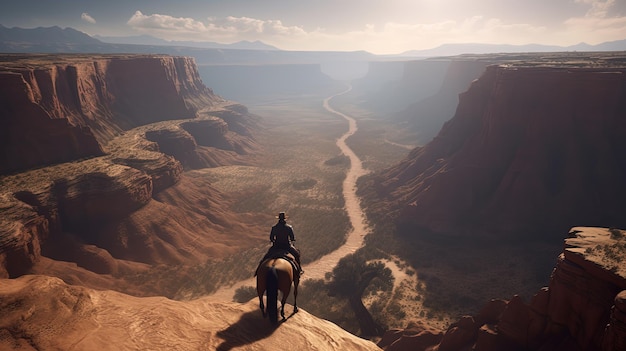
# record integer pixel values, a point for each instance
(262, 305)
(295, 294)
(285, 289)
(260, 290)
(283, 301)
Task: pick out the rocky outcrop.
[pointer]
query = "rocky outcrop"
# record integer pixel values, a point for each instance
(44, 313)
(61, 108)
(22, 229)
(530, 146)
(581, 309)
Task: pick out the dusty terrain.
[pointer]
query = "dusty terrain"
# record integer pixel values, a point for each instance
(354, 238)
(43, 313)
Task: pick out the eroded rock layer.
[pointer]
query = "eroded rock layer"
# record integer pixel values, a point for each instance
(90, 142)
(530, 146)
(61, 108)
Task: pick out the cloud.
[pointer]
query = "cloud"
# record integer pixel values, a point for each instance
(87, 18)
(599, 8)
(395, 37)
(389, 38)
(229, 28)
(599, 23)
(240, 25)
(602, 22)
(166, 23)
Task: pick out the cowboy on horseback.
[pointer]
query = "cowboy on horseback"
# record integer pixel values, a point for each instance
(282, 239)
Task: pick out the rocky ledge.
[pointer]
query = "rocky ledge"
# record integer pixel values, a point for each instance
(44, 313)
(583, 308)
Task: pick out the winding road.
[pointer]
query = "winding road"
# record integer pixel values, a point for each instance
(319, 268)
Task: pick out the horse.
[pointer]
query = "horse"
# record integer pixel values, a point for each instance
(276, 274)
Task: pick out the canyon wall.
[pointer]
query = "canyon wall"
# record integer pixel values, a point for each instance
(427, 115)
(60, 108)
(417, 96)
(93, 154)
(532, 150)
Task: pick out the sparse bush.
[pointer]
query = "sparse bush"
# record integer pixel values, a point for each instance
(340, 160)
(303, 184)
(616, 234)
(245, 294)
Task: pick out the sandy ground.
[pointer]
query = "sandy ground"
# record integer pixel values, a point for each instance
(319, 268)
(44, 313)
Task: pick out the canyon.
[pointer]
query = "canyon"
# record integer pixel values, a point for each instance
(94, 150)
(533, 148)
(104, 181)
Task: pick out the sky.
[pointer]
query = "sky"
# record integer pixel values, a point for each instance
(376, 26)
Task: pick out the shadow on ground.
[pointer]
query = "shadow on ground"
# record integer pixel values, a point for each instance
(250, 328)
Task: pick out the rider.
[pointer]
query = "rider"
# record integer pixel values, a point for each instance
(282, 237)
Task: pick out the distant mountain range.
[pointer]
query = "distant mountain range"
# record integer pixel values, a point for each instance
(150, 40)
(476, 48)
(14, 38)
(43, 35)
(69, 40)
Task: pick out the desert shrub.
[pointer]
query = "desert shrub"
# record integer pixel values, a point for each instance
(303, 184)
(340, 160)
(244, 294)
(395, 310)
(616, 234)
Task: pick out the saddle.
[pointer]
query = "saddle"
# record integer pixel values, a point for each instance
(276, 252)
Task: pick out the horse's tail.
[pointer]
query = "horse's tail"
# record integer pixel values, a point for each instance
(272, 294)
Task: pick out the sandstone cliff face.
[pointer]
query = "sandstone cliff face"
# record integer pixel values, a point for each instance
(58, 109)
(30, 136)
(130, 125)
(529, 147)
(581, 309)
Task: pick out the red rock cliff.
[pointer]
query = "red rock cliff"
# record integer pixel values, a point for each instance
(60, 108)
(129, 125)
(529, 147)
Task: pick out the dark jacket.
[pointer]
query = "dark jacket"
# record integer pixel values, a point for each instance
(282, 235)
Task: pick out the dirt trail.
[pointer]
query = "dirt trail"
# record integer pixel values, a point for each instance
(319, 268)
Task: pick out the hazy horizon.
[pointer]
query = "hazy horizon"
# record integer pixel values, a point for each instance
(379, 27)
